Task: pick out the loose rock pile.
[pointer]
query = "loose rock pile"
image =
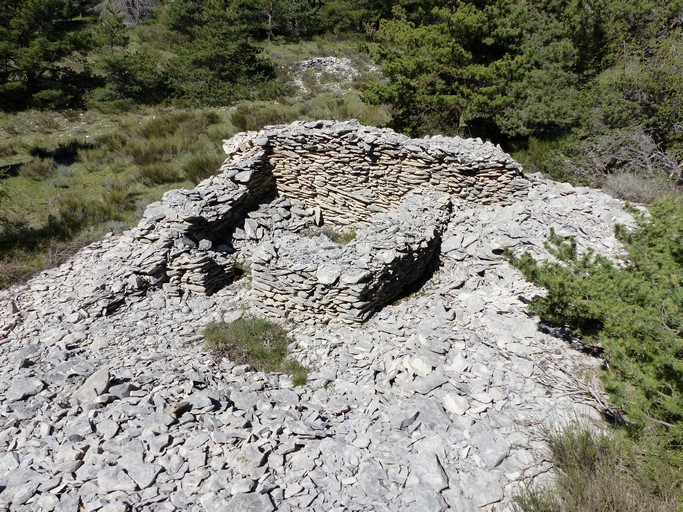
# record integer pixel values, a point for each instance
(315, 280)
(333, 75)
(435, 402)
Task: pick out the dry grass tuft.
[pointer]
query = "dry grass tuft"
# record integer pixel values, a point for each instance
(596, 472)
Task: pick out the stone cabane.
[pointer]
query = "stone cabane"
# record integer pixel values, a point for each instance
(337, 173)
(315, 280)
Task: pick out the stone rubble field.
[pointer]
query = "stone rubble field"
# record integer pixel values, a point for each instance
(436, 403)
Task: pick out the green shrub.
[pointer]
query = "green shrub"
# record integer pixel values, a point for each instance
(38, 168)
(198, 121)
(219, 132)
(7, 149)
(76, 212)
(157, 36)
(256, 115)
(350, 106)
(93, 157)
(257, 342)
(106, 100)
(117, 193)
(187, 122)
(185, 143)
(150, 151)
(159, 126)
(47, 121)
(199, 167)
(596, 472)
(110, 140)
(158, 174)
(634, 312)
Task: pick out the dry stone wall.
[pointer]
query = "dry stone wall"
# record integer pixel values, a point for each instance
(315, 280)
(182, 243)
(352, 171)
(195, 225)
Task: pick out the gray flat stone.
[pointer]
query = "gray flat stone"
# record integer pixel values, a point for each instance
(143, 474)
(93, 387)
(456, 404)
(22, 388)
(248, 459)
(113, 479)
(424, 385)
(8, 462)
(426, 469)
(492, 450)
(328, 274)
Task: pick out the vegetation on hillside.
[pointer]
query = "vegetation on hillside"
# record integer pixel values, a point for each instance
(599, 472)
(106, 104)
(582, 89)
(586, 90)
(74, 176)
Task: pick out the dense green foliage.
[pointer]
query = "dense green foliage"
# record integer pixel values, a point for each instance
(257, 342)
(595, 84)
(36, 38)
(196, 53)
(634, 312)
(214, 62)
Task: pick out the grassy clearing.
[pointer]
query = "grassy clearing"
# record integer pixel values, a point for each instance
(599, 472)
(306, 84)
(257, 342)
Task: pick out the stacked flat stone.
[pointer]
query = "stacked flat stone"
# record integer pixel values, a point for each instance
(281, 214)
(314, 280)
(198, 268)
(352, 171)
(339, 173)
